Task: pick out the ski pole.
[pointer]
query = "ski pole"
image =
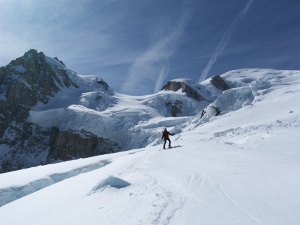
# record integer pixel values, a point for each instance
(160, 145)
(176, 139)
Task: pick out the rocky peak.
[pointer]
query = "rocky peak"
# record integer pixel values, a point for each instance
(59, 61)
(24, 82)
(37, 71)
(190, 92)
(219, 83)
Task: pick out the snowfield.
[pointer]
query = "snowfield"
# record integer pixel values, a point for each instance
(242, 167)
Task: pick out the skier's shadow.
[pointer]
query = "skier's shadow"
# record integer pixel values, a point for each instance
(178, 146)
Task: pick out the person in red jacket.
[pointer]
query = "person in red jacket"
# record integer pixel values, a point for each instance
(165, 136)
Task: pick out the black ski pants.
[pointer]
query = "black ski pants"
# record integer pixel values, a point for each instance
(167, 139)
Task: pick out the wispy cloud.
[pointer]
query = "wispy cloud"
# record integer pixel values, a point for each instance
(58, 28)
(163, 73)
(150, 69)
(224, 41)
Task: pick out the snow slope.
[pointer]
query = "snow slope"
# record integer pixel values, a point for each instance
(241, 167)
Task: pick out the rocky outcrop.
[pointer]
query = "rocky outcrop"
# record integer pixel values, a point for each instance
(219, 83)
(190, 92)
(70, 144)
(216, 111)
(38, 146)
(59, 60)
(28, 146)
(175, 107)
(104, 84)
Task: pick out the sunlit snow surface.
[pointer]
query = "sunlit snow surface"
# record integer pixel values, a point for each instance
(242, 167)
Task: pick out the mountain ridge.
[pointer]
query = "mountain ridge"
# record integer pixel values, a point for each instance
(62, 110)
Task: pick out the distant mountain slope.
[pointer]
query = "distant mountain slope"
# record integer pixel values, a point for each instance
(49, 113)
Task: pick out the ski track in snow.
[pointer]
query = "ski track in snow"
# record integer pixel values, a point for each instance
(164, 202)
(237, 206)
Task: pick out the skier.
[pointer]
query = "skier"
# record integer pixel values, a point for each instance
(165, 136)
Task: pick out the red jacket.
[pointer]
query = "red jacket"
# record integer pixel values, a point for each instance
(165, 135)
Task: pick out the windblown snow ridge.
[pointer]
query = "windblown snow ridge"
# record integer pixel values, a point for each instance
(110, 181)
(8, 195)
(244, 133)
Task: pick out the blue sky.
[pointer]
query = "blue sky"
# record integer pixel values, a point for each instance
(137, 46)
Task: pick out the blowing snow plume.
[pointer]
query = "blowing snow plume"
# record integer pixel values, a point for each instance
(224, 41)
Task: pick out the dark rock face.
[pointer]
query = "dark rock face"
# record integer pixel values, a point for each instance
(190, 92)
(175, 107)
(23, 83)
(26, 81)
(39, 146)
(219, 83)
(104, 84)
(70, 144)
(28, 146)
(59, 60)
